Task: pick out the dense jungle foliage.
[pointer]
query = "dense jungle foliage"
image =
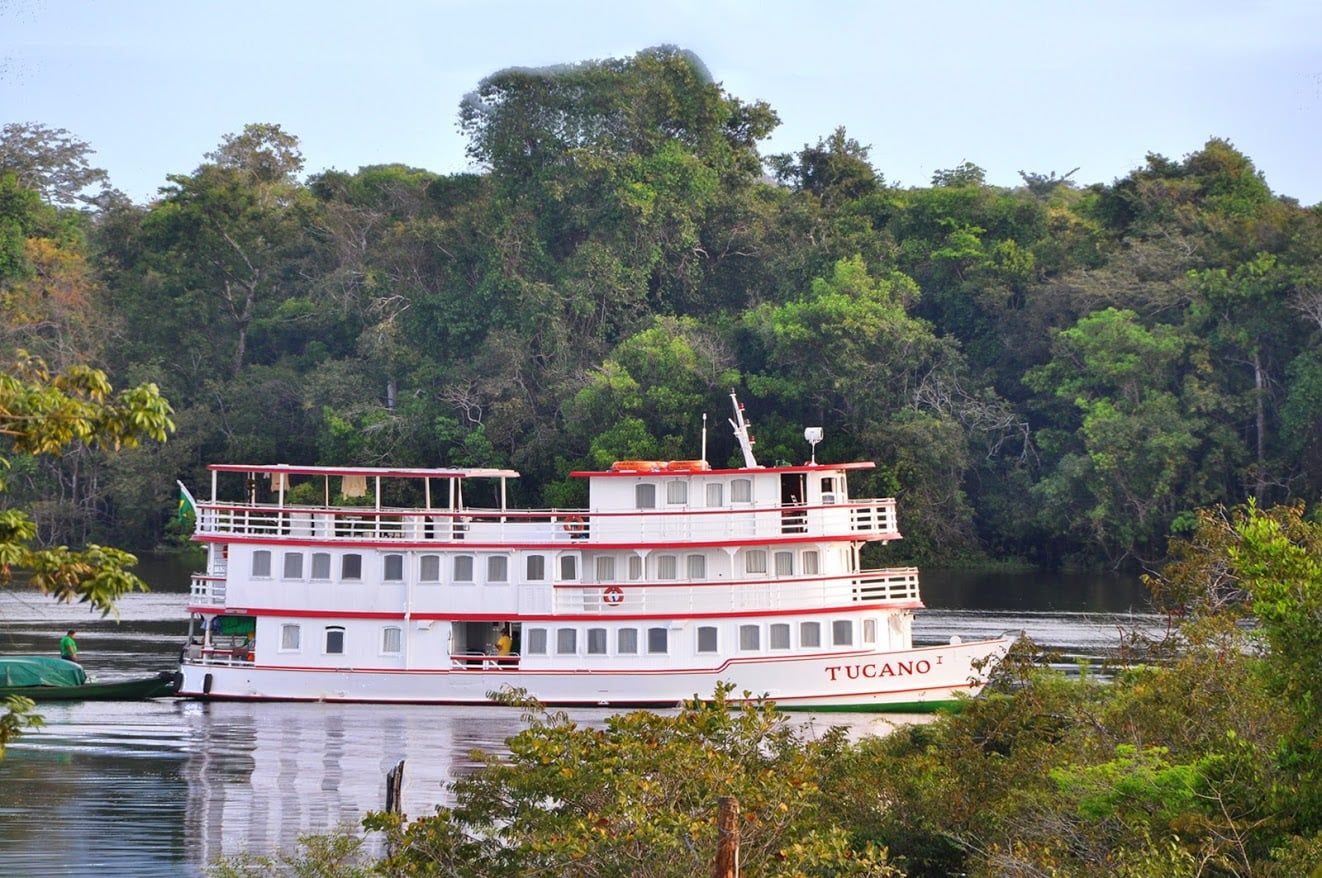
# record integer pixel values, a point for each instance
(1201, 756)
(1055, 372)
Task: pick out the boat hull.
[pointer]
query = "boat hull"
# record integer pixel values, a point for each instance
(920, 679)
(161, 685)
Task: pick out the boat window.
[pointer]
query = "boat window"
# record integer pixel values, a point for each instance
(828, 490)
(644, 496)
(842, 632)
(261, 563)
(498, 568)
(321, 565)
(596, 641)
(390, 640)
(784, 563)
(463, 568)
(665, 567)
(750, 637)
(293, 565)
(697, 566)
(706, 638)
(755, 561)
(715, 494)
(568, 568)
(429, 568)
(535, 641)
(810, 634)
(536, 568)
(869, 630)
(290, 636)
(658, 641)
(605, 568)
(394, 571)
(335, 640)
(778, 637)
(677, 491)
(351, 567)
(741, 491)
(566, 641)
(810, 562)
(626, 641)
(635, 567)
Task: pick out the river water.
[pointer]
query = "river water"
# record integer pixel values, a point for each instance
(165, 787)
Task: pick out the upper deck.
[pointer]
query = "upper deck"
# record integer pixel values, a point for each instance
(631, 509)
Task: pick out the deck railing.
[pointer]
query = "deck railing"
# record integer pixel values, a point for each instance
(891, 585)
(207, 589)
(864, 518)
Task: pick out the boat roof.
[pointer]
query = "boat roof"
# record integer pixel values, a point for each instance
(761, 470)
(383, 472)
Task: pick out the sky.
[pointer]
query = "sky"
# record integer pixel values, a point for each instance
(1043, 87)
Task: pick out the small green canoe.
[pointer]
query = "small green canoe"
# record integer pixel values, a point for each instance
(51, 679)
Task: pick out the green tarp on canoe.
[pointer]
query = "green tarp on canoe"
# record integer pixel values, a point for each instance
(35, 670)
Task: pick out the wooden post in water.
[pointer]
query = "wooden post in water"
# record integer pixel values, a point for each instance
(394, 789)
(727, 838)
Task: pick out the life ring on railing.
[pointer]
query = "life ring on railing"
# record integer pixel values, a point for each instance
(612, 595)
(574, 525)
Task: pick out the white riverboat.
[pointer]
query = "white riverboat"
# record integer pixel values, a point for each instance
(423, 586)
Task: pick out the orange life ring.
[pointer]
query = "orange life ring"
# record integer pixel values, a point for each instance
(612, 595)
(574, 525)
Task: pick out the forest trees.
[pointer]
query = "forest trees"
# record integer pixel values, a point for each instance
(1055, 372)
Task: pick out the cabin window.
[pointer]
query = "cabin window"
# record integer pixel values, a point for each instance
(810, 562)
(566, 641)
(741, 491)
(351, 567)
(321, 565)
(293, 565)
(755, 561)
(778, 636)
(290, 637)
(677, 491)
(605, 568)
(261, 563)
(658, 641)
(644, 496)
(463, 568)
(869, 630)
(536, 568)
(697, 565)
(596, 641)
(810, 634)
(784, 563)
(635, 567)
(666, 567)
(569, 568)
(498, 568)
(429, 568)
(391, 638)
(535, 641)
(750, 637)
(394, 571)
(707, 638)
(626, 641)
(842, 632)
(335, 640)
(715, 494)
(828, 490)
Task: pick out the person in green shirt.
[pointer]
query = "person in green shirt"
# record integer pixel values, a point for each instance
(69, 647)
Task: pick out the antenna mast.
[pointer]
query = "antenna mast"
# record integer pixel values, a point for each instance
(741, 433)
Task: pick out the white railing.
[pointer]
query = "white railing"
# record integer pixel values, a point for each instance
(208, 590)
(893, 585)
(350, 525)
